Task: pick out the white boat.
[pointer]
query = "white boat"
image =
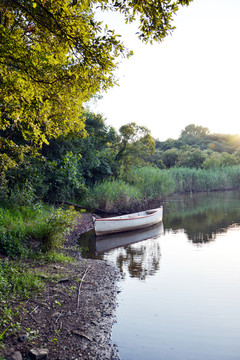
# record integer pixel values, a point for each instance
(129, 222)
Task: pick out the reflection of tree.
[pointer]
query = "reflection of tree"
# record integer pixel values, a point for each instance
(203, 216)
(141, 260)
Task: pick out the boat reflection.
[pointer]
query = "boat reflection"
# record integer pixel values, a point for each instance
(92, 246)
(110, 242)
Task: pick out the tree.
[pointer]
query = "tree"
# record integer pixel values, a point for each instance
(170, 157)
(216, 160)
(194, 131)
(54, 56)
(135, 145)
(156, 159)
(192, 158)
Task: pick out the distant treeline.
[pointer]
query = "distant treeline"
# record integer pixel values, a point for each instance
(79, 167)
(198, 148)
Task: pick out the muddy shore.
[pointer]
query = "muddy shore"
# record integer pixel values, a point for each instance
(73, 318)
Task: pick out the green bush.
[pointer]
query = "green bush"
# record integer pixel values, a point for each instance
(21, 226)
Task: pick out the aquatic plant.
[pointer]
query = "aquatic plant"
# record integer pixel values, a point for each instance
(196, 180)
(153, 183)
(113, 195)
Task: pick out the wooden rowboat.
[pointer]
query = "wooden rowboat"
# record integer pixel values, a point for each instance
(129, 222)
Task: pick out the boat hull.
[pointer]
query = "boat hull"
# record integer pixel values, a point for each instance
(129, 222)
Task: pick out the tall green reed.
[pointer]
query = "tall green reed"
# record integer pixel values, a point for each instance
(196, 180)
(112, 196)
(152, 182)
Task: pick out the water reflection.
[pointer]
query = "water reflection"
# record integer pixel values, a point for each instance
(203, 216)
(187, 306)
(141, 259)
(200, 216)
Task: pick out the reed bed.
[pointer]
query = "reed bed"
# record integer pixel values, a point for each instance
(196, 180)
(112, 196)
(141, 185)
(151, 182)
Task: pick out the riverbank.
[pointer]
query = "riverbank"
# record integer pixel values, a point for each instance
(73, 317)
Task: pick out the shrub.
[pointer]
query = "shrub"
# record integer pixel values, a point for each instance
(19, 227)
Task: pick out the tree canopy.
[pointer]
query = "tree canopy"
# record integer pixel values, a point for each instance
(54, 56)
(135, 145)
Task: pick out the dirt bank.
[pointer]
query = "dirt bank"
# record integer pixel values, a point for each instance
(73, 317)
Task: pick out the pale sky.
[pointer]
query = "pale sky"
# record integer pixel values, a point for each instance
(193, 76)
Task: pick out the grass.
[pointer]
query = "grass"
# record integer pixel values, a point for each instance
(17, 281)
(21, 227)
(113, 196)
(196, 180)
(32, 233)
(152, 183)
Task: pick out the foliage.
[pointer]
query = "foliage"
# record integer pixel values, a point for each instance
(152, 183)
(65, 168)
(135, 146)
(113, 196)
(197, 147)
(195, 180)
(73, 163)
(192, 158)
(96, 149)
(216, 160)
(170, 157)
(194, 131)
(55, 56)
(52, 231)
(17, 280)
(21, 227)
(154, 17)
(63, 179)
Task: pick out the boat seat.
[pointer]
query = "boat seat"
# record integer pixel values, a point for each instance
(150, 211)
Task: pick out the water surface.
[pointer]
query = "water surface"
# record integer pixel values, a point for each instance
(180, 290)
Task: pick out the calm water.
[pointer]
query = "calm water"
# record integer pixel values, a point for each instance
(180, 291)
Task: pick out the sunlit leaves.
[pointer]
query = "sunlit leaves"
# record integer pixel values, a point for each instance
(53, 58)
(155, 16)
(55, 55)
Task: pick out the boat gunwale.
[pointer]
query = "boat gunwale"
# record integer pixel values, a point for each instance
(130, 218)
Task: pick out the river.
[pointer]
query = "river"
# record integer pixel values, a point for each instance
(180, 289)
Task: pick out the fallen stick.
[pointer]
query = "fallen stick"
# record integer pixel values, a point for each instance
(80, 286)
(79, 333)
